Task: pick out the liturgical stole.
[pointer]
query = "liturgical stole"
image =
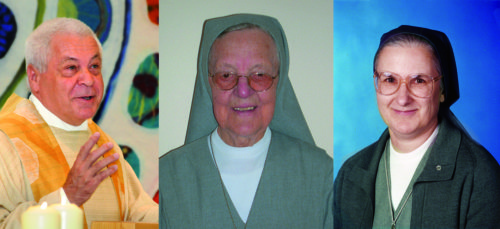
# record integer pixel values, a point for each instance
(42, 158)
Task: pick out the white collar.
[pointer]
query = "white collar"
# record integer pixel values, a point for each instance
(52, 120)
(232, 159)
(421, 149)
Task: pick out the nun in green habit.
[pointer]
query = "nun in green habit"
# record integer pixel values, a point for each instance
(201, 187)
(455, 184)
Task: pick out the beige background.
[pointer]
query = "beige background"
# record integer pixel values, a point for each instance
(308, 26)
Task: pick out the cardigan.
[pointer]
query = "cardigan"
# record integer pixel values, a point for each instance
(458, 188)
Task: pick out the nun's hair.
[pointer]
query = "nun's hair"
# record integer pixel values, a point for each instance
(408, 40)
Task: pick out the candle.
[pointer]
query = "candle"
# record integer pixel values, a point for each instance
(41, 217)
(71, 215)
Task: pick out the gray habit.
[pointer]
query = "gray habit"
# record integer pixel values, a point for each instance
(296, 185)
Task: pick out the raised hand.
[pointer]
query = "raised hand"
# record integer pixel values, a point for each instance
(86, 174)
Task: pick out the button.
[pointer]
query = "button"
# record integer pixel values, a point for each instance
(438, 167)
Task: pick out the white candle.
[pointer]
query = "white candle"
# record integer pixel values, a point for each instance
(41, 217)
(71, 215)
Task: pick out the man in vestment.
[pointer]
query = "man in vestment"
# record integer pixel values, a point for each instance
(49, 143)
(249, 160)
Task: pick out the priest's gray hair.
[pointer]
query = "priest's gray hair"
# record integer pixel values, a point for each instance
(37, 49)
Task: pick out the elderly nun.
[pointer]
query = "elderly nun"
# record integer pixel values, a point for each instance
(249, 160)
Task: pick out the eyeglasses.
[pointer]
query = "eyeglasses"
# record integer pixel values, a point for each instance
(257, 81)
(419, 85)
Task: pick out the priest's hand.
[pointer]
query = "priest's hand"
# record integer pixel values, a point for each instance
(86, 174)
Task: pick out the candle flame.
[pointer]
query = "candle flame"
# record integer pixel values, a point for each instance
(64, 198)
(44, 205)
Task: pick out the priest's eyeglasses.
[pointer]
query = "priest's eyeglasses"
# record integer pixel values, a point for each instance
(257, 81)
(419, 85)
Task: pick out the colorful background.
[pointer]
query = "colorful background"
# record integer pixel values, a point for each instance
(473, 28)
(128, 31)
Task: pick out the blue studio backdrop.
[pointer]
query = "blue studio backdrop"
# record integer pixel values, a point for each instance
(473, 28)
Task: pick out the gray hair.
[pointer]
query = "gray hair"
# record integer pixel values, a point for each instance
(37, 47)
(409, 40)
(239, 27)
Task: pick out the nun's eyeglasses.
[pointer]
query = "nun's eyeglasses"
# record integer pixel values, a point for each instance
(419, 85)
(257, 81)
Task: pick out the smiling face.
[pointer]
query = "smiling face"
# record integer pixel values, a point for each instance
(72, 86)
(407, 116)
(242, 113)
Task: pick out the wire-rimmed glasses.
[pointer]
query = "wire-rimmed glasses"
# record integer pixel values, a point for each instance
(419, 85)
